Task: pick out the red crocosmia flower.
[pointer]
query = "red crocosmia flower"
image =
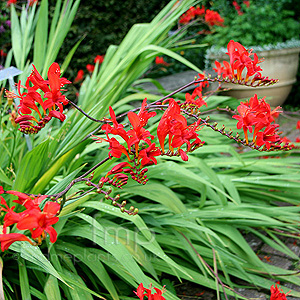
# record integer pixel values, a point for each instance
(298, 125)
(213, 18)
(141, 292)
(9, 2)
(247, 3)
(32, 218)
(116, 129)
(38, 221)
(257, 114)
(183, 155)
(116, 149)
(277, 294)
(119, 168)
(7, 239)
(140, 151)
(237, 7)
(199, 11)
(225, 71)
(147, 155)
(57, 114)
(99, 59)
(31, 100)
(144, 115)
(268, 136)
(37, 80)
(79, 76)
(160, 61)
(2, 53)
(285, 140)
(137, 133)
(297, 140)
(54, 96)
(11, 217)
(27, 201)
(191, 14)
(90, 68)
(245, 120)
(240, 59)
(174, 124)
(31, 2)
(170, 116)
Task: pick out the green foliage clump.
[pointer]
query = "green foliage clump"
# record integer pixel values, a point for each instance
(262, 23)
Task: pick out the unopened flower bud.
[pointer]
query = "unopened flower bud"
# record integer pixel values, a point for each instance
(10, 100)
(101, 183)
(109, 190)
(123, 203)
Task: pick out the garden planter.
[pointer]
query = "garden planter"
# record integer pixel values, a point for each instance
(280, 64)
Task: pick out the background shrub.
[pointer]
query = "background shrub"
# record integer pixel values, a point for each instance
(105, 23)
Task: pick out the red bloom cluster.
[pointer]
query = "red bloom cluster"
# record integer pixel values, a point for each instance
(2, 53)
(9, 2)
(31, 2)
(79, 76)
(174, 125)
(141, 292)
(160, 61)
(191, 14)
(195, 100)
(298, 127)
(237, 7)
(256, 114)
(30, 99)
(211, 18)
(90, 68)
(277, 294)
(99, 59)
(140, 150)
(35, 220)
(240, 60)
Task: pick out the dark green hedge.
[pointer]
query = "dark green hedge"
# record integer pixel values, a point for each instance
(105, 22)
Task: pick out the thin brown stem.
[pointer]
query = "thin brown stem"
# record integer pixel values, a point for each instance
(210, 268)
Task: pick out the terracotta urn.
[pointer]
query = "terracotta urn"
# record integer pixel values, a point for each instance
(279, 64)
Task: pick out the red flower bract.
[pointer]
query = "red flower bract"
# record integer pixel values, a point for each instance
(7, 239)
(277, 294)
(242, 68)
(37, 221)
(141, 292)
(31, 100)
(174, 125)
(160, 61)
(79, 76)
(99, 59)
